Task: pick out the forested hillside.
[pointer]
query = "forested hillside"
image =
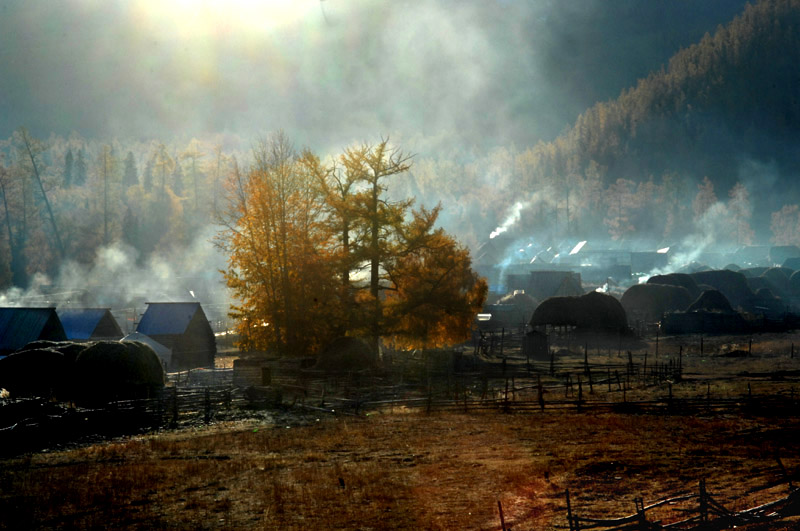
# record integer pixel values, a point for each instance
(715, 127)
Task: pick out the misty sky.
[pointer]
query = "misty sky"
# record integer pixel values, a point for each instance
(473, 73)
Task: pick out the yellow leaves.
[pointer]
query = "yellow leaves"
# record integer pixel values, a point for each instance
(298, 230)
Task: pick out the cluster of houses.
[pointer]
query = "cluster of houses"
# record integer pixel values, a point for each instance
(178, 332)
(758, 290)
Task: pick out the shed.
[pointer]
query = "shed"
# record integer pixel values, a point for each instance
(83, 324)
(20, 326)
(184, 329)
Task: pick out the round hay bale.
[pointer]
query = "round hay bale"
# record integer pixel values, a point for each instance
(730, 283)
(109, 370)
(792, 263)
(711, 301)
(516, 307)
(593, 311)
(753, 271)
(779, 277)
(765, 294)
(677, 279)
(346, 354)
(36, 372)
(650, 302)
(758, 283)
(70, 349)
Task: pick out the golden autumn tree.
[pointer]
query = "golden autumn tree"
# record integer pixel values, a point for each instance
(433, 294)
(279, 266)
(319, 250)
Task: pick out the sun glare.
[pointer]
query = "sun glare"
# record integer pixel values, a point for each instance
(198, 18)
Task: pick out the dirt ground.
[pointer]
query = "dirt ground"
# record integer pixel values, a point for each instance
(407, 469)
(398, 471)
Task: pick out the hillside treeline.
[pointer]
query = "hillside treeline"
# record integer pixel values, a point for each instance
(64, 199)
(723, 115)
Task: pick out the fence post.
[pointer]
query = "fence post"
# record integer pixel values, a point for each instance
(541, 391)
(502, 520)
(174, 423)
(586, 358)
(703, 502)
(207, 404)
(573, 524)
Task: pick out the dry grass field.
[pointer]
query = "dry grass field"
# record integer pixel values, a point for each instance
(397, 471)
(405, 469)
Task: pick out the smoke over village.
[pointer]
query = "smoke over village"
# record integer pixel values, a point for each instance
(429, 240)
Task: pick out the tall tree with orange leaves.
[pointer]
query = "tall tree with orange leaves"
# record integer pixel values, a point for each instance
(319, 250)
(279, 268)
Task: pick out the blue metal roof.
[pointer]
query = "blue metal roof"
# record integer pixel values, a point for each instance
(168, 318)
(82, 323)
(20, 326)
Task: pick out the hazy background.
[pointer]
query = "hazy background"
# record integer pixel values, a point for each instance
(445, 74)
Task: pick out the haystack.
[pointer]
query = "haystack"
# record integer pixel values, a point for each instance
(779, 277)
(35, 372)
(70, 349)
(730, 283)
(109, 370)
(677, 279)
(591, 312)
(750, 272)
(649, 302)
(711, 301)
(346, 354)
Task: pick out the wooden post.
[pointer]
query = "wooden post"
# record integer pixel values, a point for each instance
(669, 403)
(644, 369)
(502, 520)
(703, 502)
(586, 358)
(609, 379)
(541, 391)
(207, 406)
(572, 526)
(174, 407)
(656, 345)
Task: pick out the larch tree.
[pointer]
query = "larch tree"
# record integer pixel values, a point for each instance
(279, 268)
(130, 176)
(317, 251)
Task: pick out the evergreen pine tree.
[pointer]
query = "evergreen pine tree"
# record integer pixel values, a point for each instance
(79, 178)
(68, 163)
(177, 178)
(130, 176)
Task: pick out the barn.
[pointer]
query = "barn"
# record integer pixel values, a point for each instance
(85, 324)
(20, 326)
(183, 328)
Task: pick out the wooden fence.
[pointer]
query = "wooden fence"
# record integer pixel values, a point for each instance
(703, 512)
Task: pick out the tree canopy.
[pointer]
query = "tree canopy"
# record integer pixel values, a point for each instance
(319, 251)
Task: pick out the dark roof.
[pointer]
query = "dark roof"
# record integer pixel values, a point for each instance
(20, 326)
(168, 318)
(83, 323)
